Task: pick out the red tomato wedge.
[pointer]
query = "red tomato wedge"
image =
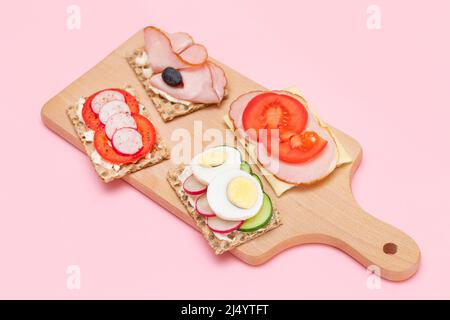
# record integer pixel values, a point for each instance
(271, 110)
(104, 148)
(301, 147)
(91, 118)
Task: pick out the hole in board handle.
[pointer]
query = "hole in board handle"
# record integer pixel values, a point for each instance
(390, 248)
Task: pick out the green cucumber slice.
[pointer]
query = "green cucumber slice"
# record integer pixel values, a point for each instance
(261, 219)
(259, 180)
(246, 167)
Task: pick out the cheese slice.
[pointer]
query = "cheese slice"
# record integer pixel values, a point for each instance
(279, 186)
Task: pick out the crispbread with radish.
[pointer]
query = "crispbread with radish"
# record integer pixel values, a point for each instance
(106, 170)
(218, 241)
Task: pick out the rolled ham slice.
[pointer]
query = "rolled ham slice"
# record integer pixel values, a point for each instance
(127, 141)
(118, 121)
(219, 81)
(162, 54)
(195, 54)
(203, 81)
(295, 173)
(198, 85)
(179, 40)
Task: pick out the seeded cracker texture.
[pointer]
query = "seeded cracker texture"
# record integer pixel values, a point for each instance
(236, 237)
(167, 109)
(159, 153)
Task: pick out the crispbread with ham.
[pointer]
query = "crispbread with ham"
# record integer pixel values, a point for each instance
(287, 175)
(203, 82)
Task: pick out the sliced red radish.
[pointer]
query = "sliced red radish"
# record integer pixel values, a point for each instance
(193, 187)
(127, 141)
(111, 108)
(104, 97)
(223, 226)
(118, 121)
(202, 207)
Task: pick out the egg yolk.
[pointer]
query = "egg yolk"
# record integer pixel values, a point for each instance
(212, 159)
(242, 192)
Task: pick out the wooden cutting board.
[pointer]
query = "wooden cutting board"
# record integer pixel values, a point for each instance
(323, 213)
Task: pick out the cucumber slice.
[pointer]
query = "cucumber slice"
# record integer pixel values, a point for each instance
(261, 219)
(259, 180)
(246, 167)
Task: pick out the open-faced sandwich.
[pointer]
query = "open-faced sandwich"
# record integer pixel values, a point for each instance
(290, 144)
(224, 197)
(117, 133)
(176, 73)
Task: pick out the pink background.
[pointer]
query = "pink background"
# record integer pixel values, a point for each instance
(387, 88)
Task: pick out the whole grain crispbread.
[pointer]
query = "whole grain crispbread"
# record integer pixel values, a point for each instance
(168, 110)
(159, 153)
(219, 246)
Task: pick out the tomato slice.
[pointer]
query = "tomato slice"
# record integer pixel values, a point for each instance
(271, 110)
(91, 118)
(300, 147)
(104, 148)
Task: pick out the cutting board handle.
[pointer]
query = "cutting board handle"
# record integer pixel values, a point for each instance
(336, 219)
(377, 245)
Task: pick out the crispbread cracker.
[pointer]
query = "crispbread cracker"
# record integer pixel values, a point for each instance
(159, 153)
(236, 237)
(167, 109)
(279, 186)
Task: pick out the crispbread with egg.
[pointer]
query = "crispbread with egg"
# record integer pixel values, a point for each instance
(168, 110)
(234, 238)
(106, 171)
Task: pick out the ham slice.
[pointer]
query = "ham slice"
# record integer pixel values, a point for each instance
(162, 54)
(219, 81)
(237, 110)
(295, 173)
(203, 81)
(195, 54)
(198, 85)
(179, 40)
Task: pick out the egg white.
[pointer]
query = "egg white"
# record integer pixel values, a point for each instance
(206, 175)
(218, 200)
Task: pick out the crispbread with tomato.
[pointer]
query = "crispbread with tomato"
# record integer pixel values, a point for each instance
(289, 143)
(177, 74)
(117, 133)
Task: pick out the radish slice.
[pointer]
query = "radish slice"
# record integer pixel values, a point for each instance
(104, 97)
(223, 226)
(127, 141)
(118, 121)
(202, 207)
(193, 187)
(111, 108)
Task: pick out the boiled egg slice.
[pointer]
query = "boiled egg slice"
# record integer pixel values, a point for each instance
(214, 161)
(235, 195)
(242, 192)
